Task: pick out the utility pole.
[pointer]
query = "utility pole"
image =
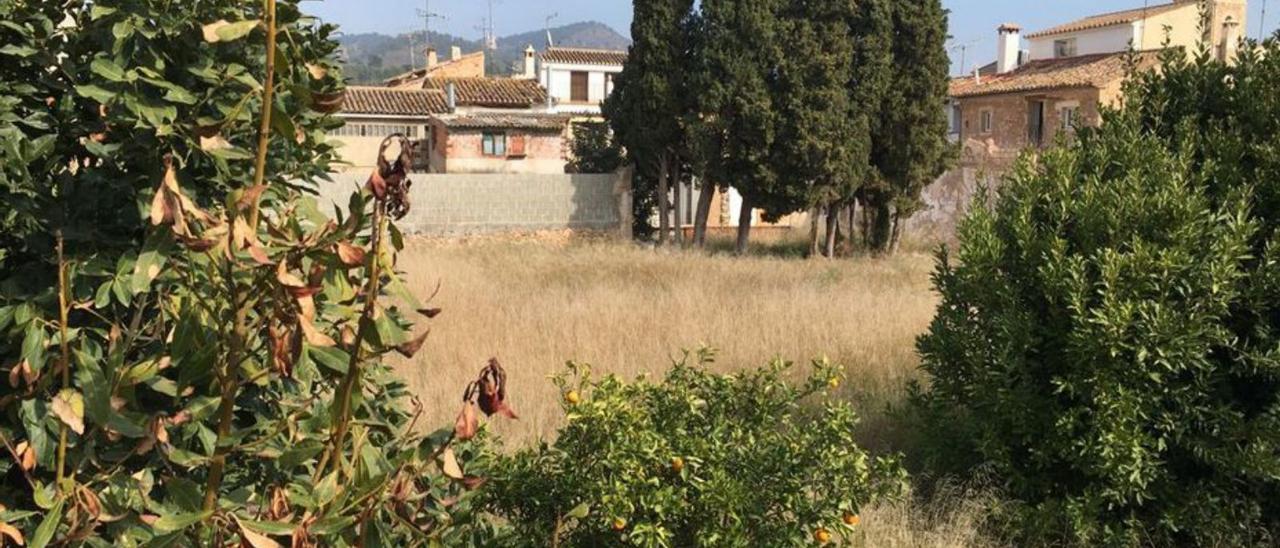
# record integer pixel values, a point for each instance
(546, 26)
(427, 15)
(1262, 22)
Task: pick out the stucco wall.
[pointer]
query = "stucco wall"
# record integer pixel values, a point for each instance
(476, 204)
(1104, 40)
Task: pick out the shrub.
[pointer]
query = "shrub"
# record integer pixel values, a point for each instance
(1108, 335)
(698, 460)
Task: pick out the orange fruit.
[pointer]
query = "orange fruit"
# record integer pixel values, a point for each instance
(619, 524)
(851, 519)
(822, 536)
(572, 397)
(834, 382)
(677, 464)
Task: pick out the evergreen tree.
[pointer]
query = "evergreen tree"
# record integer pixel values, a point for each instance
(645, 107)
(736, 102)
(911, 148)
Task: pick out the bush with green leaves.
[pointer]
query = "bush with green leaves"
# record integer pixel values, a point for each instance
(193, 350)
(1108, 341)
(699, 459)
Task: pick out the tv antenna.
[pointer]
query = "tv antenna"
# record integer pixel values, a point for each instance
(427, 15)
(546, 26)
(964, 51)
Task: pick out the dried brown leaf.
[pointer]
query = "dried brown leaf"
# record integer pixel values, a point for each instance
(68, 405)
(350, 255)
(465, 427)
(430, 312)
(449, 464)
(210, 31)
(411, 348)
(26, 456)
(12, 533)
(314, 336)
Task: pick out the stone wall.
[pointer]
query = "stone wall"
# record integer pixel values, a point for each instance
(461, 204)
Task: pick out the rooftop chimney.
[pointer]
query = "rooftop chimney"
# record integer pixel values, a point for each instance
(1230, 41)
(455, 53)
(1008, 48)
(432, 59)
(451, 97)
(530, 63)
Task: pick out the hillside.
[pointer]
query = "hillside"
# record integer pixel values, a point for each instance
(373, 57)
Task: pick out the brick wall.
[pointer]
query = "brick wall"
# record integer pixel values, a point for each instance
(459, 204)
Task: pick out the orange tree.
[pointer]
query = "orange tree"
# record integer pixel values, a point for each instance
(697, 460)
(192, 348)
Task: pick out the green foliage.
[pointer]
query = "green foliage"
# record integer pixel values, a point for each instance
(1108, 343)
(697, 460)
(193, 350)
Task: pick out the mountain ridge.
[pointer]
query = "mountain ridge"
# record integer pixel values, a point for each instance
(373, 57)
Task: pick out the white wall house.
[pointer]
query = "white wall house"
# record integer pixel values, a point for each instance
(578, 80)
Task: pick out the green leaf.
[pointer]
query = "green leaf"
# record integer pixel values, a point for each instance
(96, 93)
(231, 153)
(150, 263)
(578, 512)
(267, 527)
(48, 526)
(18, 51)
(99, 11)
(173, 523)
(33, 346)
(235, 31)
(97, 390)
(332, 358)
(108, 69)
(122, 29)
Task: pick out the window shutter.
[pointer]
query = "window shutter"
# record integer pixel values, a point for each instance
(517, 146)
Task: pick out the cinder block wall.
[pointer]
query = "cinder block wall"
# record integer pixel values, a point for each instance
(460, 204)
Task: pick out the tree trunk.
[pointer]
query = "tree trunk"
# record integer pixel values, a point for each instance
(833, 226)
(664, 204)
(676, 186)
(882, 228)
(813, 230)
(853, 213)
(896, 235)
(867, 213)
(744, 227)
(703, 214)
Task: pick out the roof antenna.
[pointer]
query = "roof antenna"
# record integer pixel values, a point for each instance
(1142, 33)
(547, 27)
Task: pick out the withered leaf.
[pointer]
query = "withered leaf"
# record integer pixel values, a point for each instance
(288, 279)
(449, 464)
(429, 312)
(378, 185)
(474, 482)
(411, 348)
(68, 405)
(12, 533)
(314, 336)
(251, 196)
(318, 72)
(350, 255)
(210, 31)
(26, 456)
(464, 428)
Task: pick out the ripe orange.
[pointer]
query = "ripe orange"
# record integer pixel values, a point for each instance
(677, 464)
(834, 382)
(822, 536)
(572, 397)
(851, 519)
(619, 524)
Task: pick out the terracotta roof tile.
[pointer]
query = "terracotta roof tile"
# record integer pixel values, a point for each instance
(393, 102)
(1109, 19)
(1068, 72)
(489, 120)
(491, 92)
(583, 56)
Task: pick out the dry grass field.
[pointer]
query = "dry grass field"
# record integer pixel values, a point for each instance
(536, 303)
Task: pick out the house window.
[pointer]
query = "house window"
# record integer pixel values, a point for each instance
(1064, 48)
(1069, 116)
(956, 116)
(357, 129)
(578, 87)
(494, 144)
(986, 119)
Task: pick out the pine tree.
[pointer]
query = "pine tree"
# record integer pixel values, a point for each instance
(646, 105)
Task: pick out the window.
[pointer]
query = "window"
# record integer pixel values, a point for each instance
(1069, 116)
(1064, 48)
(578, 87)
(956, 116)
(494, 144)
(986, 119)
(1035, 122)
(517, 143)
(360, 129)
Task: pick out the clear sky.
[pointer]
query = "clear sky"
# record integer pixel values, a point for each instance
(973, 22)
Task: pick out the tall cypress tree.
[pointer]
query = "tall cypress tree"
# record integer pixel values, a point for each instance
(822, 146)
(646, 105)
(740, 57)
(911, 149)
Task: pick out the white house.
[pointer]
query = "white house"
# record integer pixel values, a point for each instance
(579, 79)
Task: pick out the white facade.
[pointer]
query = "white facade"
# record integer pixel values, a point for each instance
(1088, 42)
(558, 78)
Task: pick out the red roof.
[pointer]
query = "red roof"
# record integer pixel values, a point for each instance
(584, 56)
(393, 102)
(1067, 72)
(1109, 19)
(491, 92)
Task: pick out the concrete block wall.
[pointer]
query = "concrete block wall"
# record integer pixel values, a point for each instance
(461, 204)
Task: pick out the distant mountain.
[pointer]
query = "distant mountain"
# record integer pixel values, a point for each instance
(373, 57)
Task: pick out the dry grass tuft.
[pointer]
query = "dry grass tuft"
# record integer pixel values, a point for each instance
(630, 310)
(951, 518)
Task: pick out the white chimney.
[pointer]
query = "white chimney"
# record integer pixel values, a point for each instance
(530, 63)
(1230, 41)
(455, 53)
(432, 59)
(1008, 48)
(451, 97)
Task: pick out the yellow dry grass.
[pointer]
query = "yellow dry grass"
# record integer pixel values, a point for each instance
(536, 303)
